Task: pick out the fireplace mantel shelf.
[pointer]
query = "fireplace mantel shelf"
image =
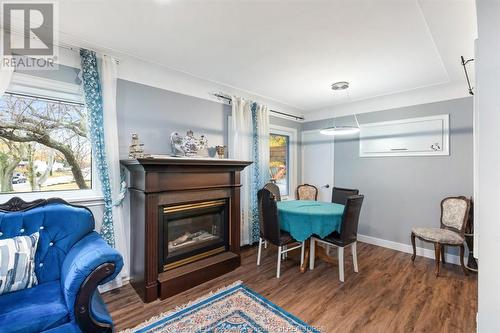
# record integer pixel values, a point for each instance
(185, 161)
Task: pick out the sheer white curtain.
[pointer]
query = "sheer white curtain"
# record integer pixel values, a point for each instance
(240, 148)
(262, 114)
(249, 141)
(109, 74)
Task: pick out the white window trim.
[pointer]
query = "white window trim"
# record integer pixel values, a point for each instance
(293, 147)
(43, 87)
(66, 92)
(88, 197)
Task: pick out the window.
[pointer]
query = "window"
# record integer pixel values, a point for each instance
(279, 145)
(44, 145)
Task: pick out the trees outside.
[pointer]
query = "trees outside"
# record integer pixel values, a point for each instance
(43, 143)
(278, 146)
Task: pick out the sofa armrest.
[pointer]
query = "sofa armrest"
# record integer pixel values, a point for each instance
(90, 263)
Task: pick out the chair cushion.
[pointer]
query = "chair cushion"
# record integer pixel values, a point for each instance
(306, 192)
(33, 310)
(454, 212)
(285, 238)
(335, 239)
(438, 235)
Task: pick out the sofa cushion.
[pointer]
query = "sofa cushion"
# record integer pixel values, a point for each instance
(70, 327)
(17, 263)
(33, 310)
(60, 227)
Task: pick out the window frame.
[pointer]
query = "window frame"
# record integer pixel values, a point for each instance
(292, 134)
(32, 85)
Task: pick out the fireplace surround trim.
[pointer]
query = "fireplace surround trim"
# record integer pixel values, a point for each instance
(169, 182)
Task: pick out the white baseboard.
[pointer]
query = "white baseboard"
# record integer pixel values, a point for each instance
(452, 259)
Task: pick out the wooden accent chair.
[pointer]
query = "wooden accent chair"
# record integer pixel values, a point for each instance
(274, 189)
(307, 192)
(270, 230)
(339, 194)
(454, 216)
(348, 235)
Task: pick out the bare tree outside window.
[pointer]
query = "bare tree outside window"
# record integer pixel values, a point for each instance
(44, 145)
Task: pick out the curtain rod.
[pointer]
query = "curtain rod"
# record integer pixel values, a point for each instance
(464, 63)
(65, 46)
(48, 99)
(228, 99)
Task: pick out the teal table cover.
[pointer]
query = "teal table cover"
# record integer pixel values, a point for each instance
(304, 218)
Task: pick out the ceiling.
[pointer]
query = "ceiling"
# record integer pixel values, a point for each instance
(290, 51)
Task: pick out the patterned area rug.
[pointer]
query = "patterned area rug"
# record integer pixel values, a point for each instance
(235, 308)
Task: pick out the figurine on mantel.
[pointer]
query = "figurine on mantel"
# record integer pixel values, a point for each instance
(136, 149)
(221, 151)
(188, 145)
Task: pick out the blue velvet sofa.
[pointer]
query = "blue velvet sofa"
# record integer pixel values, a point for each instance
(71, 261)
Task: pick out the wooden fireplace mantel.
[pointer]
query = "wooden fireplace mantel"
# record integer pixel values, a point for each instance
(157, 182)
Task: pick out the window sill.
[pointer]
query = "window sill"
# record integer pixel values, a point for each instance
(79, 197)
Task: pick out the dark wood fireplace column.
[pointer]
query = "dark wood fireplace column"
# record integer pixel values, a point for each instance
(170, 182)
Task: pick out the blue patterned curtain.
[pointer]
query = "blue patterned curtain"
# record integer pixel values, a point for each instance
(260, 167)
(93, 101)
(256, 182)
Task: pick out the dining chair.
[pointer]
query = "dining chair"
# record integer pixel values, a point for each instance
(454, 217)
(307, 192)
(346, 237)
(274, 189)
(339, 194)
(270, 230)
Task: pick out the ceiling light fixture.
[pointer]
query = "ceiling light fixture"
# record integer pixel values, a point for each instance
(341, 130)
(341, 85)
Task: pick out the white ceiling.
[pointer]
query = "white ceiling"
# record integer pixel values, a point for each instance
(288, 50)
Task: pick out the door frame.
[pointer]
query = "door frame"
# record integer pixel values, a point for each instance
(293, 149)
(332, 149)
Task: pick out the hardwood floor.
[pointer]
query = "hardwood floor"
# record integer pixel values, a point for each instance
(389, 294)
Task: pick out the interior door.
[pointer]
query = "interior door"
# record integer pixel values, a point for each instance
(317, 162)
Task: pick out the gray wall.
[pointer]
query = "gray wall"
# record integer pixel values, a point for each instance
(401, 192)
(155, 113)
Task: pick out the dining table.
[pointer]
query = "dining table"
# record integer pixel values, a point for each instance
(305, 218)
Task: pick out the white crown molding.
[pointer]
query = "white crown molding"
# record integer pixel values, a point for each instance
(415, 97)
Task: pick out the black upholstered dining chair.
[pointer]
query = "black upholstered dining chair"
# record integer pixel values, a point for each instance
(339, 194)
(270, 230)
(307, 192)
(346, 237)
(454, 218)
(274, 189)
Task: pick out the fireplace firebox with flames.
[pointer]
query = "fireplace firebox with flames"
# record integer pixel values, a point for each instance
(193, 231)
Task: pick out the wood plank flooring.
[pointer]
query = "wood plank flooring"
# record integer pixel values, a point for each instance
(389, 294)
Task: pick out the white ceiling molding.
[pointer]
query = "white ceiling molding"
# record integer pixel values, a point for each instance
(414, 97)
